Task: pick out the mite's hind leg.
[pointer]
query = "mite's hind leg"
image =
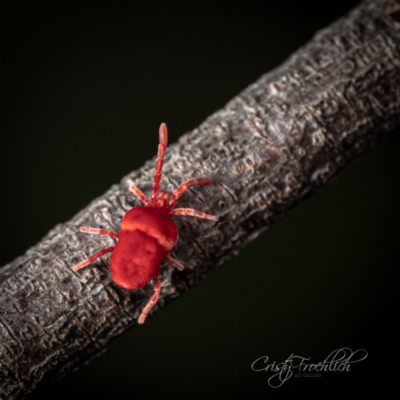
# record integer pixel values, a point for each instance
(175, 263)
(92, 258)
(152, 301)
(99, 231)
(193, 213)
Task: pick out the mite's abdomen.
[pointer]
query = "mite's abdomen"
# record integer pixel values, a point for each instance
(145, 239)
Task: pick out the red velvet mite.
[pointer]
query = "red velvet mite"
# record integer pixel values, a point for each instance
(147, 234)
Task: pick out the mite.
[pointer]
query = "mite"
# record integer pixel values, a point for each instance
(147, 233)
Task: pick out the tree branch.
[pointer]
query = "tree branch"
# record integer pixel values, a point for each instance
(271, 146)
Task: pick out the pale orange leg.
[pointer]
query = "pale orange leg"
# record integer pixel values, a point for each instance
(175, 263)
(186, 185)
(99, 231)
(193, 213)
(162, 147)
(139, 194)
(152, 301)
(92, 258)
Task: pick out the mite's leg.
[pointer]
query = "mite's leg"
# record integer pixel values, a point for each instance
(139, 194)
(99, 231)
(186, 185)
(152, 301)
(92, 258)
(193, 213)
(162, 147)
(175, 263)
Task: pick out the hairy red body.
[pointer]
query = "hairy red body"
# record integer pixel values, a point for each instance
(147, 234)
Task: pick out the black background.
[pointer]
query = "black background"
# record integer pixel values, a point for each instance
(84, 89)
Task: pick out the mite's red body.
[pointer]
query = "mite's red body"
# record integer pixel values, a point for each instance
(147, 234)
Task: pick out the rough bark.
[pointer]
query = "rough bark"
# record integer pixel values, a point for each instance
(269, 148)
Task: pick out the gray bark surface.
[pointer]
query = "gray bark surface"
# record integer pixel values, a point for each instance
(268, 149)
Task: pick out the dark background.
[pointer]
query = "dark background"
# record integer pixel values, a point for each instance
(85, 87)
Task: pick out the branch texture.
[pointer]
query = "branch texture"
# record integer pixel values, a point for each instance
(270, 147)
